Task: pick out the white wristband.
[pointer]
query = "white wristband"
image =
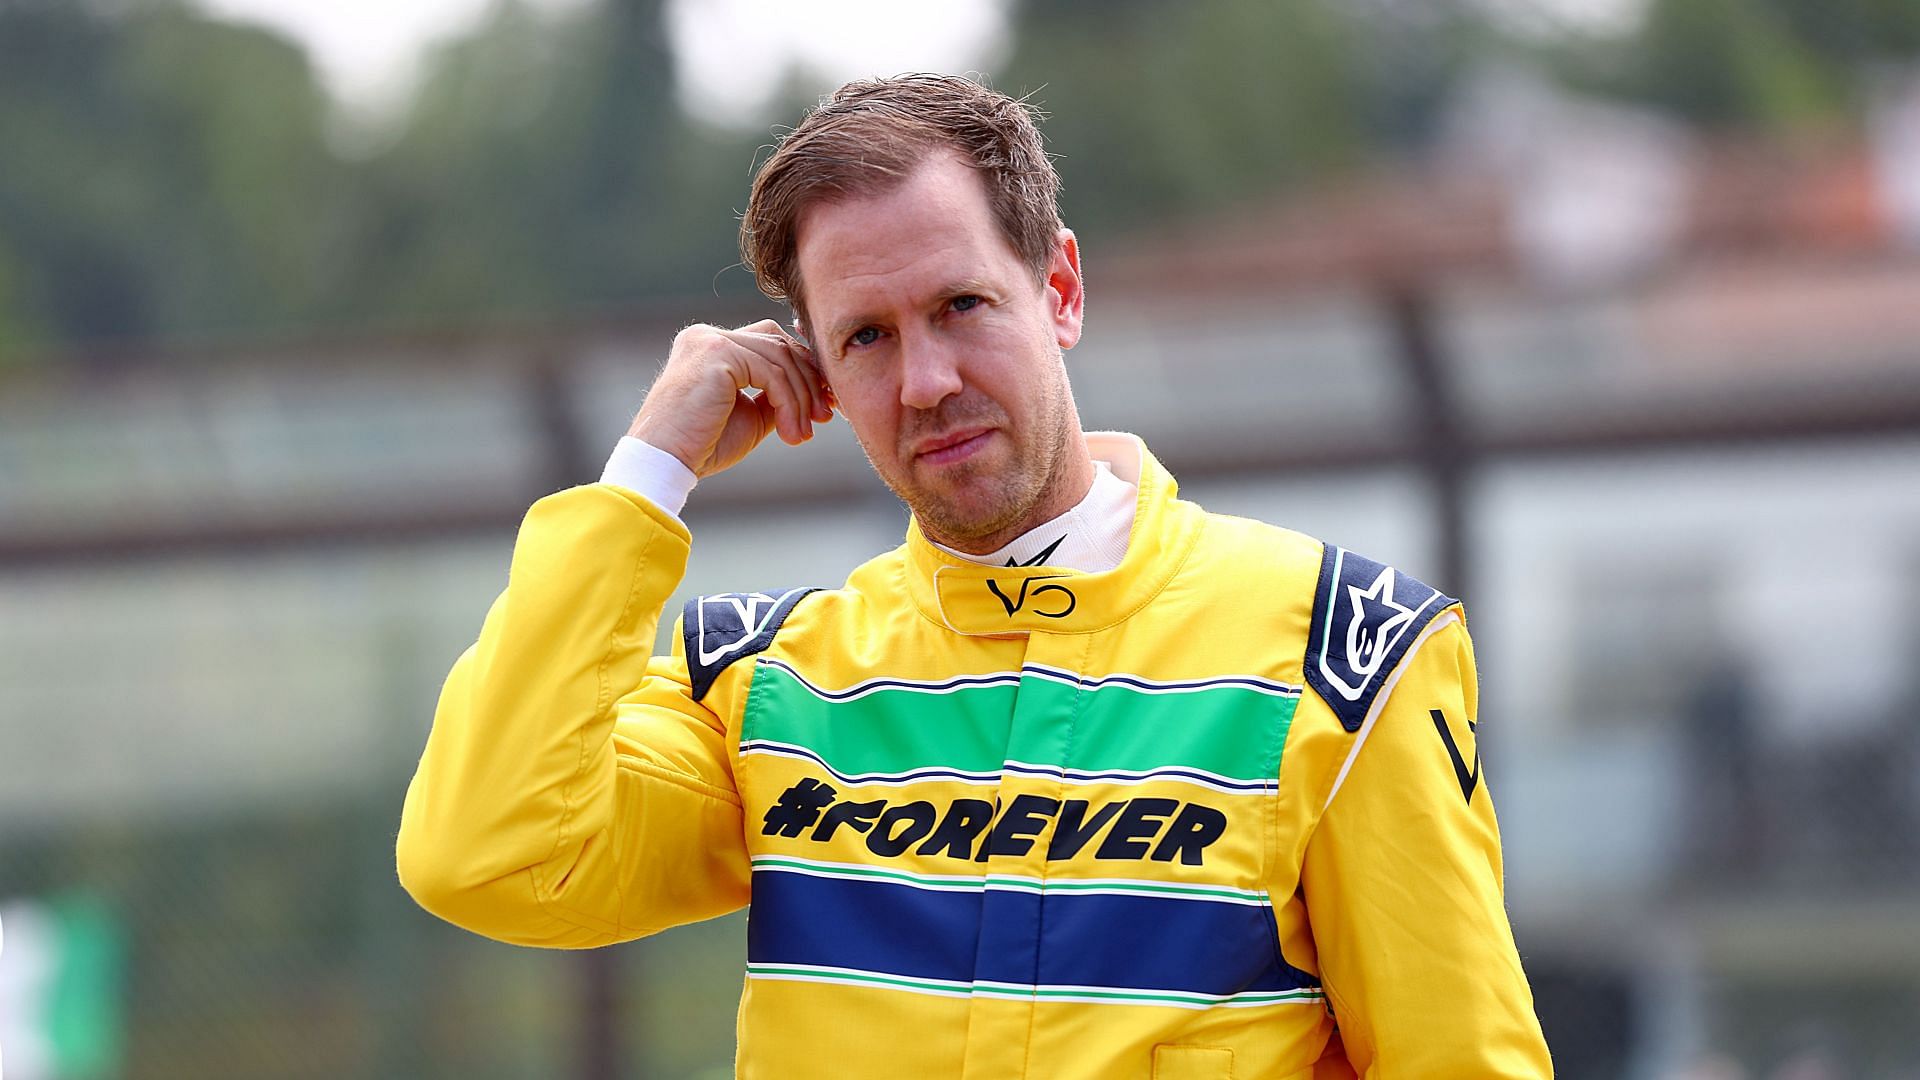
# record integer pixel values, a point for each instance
(650, 472)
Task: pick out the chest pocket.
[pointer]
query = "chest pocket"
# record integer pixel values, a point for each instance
(1192, 1063)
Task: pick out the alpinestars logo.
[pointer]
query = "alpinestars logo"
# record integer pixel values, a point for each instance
(1366, 615)
(1374, 620)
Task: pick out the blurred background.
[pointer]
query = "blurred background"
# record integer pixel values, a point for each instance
(1602, 314)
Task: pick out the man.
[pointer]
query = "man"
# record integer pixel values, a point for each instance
(1080, 781)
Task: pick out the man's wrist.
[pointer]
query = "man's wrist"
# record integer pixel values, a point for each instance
(650, 472)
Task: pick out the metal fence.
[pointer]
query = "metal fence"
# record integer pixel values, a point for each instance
(222, 629)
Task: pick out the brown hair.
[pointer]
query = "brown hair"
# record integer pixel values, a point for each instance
(869, 135)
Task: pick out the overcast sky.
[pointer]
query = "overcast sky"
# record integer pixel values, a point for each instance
(734, 52)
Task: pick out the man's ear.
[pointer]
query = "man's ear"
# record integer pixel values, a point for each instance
(1066, 293)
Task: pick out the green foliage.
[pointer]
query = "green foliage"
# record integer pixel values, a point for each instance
(1169, 107)
(166, 172)
(168, 175)
(1735, 63)
(544, 167)
(1760, 66)
(17, 328)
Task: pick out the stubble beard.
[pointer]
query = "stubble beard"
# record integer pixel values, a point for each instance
(998, 501)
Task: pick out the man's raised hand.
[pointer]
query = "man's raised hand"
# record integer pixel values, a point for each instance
(699, 409)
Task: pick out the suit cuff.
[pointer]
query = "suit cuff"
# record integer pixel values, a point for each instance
(650, 472)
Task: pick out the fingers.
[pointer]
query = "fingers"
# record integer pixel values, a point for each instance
(809, 365)
(703, 407)
(771, 340)
(784, 390)
(769, 345)
(828, 403)
(762, 365)
(761, 409)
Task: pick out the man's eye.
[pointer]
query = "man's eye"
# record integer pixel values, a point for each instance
(965, 303)
(866, 335)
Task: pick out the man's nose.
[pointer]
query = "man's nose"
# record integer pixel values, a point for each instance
(929, 371)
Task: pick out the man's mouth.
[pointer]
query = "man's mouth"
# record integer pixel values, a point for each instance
(951, 447)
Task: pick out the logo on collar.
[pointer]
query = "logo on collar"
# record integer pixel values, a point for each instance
(1366, 616)
(1057, 607)
(720, 629)
(1040, 559)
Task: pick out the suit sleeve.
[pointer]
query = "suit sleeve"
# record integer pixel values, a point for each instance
(572, 793)
(1402, 881)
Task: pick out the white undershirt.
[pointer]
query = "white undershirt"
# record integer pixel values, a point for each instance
(650, 472)
(1091, 537)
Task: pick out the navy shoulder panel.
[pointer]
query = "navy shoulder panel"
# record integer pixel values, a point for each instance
(1365, 617)
(721, 629)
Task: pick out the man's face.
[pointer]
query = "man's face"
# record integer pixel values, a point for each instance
(944, 352)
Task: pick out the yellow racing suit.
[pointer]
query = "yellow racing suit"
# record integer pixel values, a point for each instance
(1215, 813)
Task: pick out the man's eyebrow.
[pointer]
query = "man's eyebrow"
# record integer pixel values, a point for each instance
(842, 328)
(966, 287)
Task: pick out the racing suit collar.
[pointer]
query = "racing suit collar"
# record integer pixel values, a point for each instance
(968, 598)
(1091, 537)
